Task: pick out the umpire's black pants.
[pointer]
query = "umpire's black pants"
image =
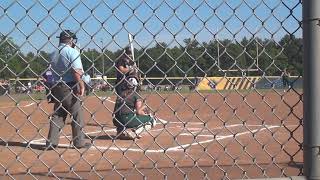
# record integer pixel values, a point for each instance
(66, 103)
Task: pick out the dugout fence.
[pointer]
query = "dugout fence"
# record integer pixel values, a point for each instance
(235, 72)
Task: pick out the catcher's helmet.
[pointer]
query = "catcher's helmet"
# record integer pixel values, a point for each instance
(131, 82)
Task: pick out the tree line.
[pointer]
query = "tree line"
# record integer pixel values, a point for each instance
(253, 57)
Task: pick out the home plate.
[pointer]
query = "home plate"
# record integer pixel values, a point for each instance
(162, 121)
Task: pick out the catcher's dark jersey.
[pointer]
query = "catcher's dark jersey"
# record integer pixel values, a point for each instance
(125, 104)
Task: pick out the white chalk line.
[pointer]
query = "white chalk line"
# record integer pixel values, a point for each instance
(27, 105)
(181, 147)
(175, 148)
(106, 98)
(95, 132)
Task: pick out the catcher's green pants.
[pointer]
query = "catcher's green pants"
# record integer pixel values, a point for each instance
(131, 120)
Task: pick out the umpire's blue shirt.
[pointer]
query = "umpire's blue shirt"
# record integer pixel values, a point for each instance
(63, 61)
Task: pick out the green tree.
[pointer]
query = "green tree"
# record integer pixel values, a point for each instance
(292, 50)
(38, 64)
(9, 54)
(174, 54)
(92, 64)
(189, 59)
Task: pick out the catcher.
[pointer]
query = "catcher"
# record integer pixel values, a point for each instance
(131, 116)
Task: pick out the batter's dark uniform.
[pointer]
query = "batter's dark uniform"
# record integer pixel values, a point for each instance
(124, 61)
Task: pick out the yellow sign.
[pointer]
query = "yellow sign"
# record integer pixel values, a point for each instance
(222, 83)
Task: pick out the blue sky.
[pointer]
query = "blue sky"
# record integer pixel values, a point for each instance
(34, 25)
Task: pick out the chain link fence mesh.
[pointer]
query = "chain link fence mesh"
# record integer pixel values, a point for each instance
(223, 78)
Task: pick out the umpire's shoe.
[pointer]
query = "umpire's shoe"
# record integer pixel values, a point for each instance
(86, 145)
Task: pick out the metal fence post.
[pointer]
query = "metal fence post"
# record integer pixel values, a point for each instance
(311, 86)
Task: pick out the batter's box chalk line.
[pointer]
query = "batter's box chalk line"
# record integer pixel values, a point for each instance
(179, 148)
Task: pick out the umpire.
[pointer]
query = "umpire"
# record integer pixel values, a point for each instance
(68, 88)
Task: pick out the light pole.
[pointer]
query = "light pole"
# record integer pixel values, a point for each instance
(257, 46)
(93, 72)
(218, 56)
(102, 52)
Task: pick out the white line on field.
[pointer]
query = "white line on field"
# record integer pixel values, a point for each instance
(175, 148)
(178, 122)
(27, 105)
(181, 147)
(106, 98)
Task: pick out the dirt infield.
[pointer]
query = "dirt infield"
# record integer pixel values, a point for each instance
(230, 135)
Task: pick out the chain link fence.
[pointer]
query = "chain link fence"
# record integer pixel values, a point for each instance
(223, 79)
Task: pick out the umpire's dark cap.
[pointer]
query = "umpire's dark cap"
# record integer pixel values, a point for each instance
(67, 34)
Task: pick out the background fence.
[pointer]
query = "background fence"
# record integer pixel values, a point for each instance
(213, 72)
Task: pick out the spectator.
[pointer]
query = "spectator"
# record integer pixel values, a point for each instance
(285, 79)
(48, 82)
(29, 87)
